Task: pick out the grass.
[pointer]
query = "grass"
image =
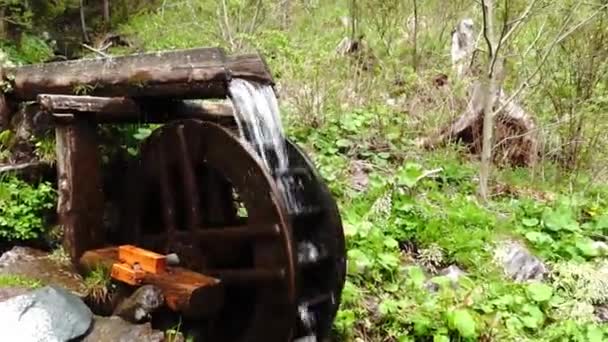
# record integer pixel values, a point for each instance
(97, 284)
(10, 280)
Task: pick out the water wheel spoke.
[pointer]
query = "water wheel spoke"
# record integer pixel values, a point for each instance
(318, 299)
(166, 194)
(191, 196)
(252, 232)
(252, 276)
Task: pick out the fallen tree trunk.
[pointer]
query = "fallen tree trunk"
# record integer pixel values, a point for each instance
(195, 73)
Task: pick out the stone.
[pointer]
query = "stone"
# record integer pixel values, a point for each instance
(601, 312)
(38, 265)
(46, 314)
(518, 263)
(116, 329)
(141, 304)
(454, 273)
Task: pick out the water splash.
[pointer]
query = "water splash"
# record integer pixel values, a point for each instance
(259, 124)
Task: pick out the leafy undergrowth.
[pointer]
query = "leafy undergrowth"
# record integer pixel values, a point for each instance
(418, 215)
(23, 208)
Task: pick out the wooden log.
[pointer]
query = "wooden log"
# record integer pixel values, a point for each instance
(124, 110)
(80, 205)
(194, 73)
(190, 293)
(252, 67)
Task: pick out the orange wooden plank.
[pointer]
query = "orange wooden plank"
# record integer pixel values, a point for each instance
(125, 273)
(148, 261)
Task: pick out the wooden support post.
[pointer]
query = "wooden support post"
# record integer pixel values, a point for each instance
(80, 205)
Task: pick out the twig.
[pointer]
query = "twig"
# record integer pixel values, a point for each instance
(19, 167)
(101, 53)
(543, 60)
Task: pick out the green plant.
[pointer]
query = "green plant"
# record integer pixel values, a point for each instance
(23, 207)
(10, 280)
(97, 283)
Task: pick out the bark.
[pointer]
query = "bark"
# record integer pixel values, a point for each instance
(80, 204)
(195, 73)
(124, 110)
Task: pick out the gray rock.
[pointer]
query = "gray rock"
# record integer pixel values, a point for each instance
(141, 304)
(38, 265)
(518, 263)
(601, 312)
(115, 329)
(46, 314)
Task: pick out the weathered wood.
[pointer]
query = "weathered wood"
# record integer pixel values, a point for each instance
(194, 73)
(80, 205)
(123, 110)
(193, 294)
(252, 67)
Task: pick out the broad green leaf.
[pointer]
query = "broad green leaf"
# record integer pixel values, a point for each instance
(595, 334)
(410, 174)
(358, 261)
(538, 237)
(530, 222)
(441, 338)
(534, 317)
(587, 248)
(560, 219)
(462, 321)
(343, 143)
(416, 276)
(539, 292)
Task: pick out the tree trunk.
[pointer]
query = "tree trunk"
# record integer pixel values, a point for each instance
(490, 97)
(415, 38)
(83, 24)
(106, 14)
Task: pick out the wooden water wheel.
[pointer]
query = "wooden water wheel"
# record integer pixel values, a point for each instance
(198, 191)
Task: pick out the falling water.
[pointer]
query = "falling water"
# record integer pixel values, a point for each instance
(259, 123)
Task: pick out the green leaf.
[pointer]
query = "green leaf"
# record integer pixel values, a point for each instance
(416, 276)
(538, 237)
(441, 338)
(410, 174)
(559, 219)
(462, 321)
(343, 143)
(595, 334)
(539, 292)
(358, 261)
(587, 247)
(534, 318)
(530, 222)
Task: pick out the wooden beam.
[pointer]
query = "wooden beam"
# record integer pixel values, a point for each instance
(123, 109)
(80, 205)
(194, 73)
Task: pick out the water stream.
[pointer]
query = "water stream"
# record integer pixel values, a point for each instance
(259, 122)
